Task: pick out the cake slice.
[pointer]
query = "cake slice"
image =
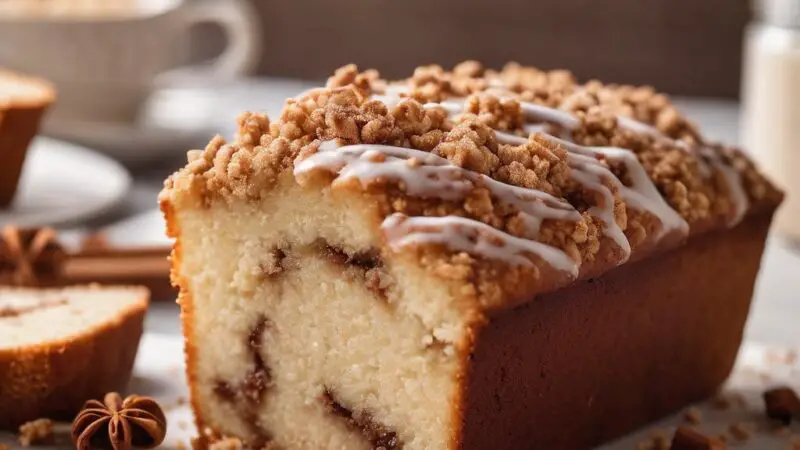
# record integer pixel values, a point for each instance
(23, 101)
(464, 259)
(60, 347)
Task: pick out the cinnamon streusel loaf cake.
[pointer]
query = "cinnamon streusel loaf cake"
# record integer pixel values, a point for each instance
(463, 259)
(23, 101)
(60, 347)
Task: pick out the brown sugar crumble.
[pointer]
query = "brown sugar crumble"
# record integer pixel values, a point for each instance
(265, 152)
(39, 431)
(727, 400)
(657, 440)
(686, 438)
(693, 415)
(741, 431)
(227, 444)
(782, 404)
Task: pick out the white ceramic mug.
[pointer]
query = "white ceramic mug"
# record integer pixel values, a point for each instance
(104, 56)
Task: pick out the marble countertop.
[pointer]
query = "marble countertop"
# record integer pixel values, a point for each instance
(776, 306)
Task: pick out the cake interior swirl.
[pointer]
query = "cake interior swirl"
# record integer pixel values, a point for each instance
(461, 259)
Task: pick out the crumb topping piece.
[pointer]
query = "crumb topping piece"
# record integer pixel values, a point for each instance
(686, 438)
(39, 431)
(782, 404)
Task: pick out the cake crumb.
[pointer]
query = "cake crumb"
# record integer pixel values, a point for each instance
(182, 424)
(727, 400)
(661, 443)
(693, 415)
(180, 445)
(741, 431)
(782, 404)
(227, 444)
(781, 430)
(39, 431)
(659, 440)
(686, 438)
(721, 402)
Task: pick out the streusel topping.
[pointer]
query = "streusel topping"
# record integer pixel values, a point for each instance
(462, 147)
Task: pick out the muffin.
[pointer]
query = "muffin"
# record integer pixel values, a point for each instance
(60, 347)
(23, 101)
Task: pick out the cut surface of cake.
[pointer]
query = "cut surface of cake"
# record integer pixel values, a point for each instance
(60, 347)
(23, 101)
(462, 259)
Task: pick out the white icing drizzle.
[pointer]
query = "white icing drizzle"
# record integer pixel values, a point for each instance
(735, 185)
(540, 113)
(435, 177)
(589, 175)
(589, 172)
(641, 195)
(461, 234)
(636, 126)
(732, 178)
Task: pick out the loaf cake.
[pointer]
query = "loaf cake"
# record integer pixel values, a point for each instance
(60, 347)
(462, 259)
(23, 100)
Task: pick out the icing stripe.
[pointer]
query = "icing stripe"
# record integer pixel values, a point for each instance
(467, 235)
(642, 195)
(435, 177)
(735, 185)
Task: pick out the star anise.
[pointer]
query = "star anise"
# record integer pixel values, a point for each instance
(30, 257)
(136, 422)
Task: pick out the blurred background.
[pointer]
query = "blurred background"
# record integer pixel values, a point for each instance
(141, 81)
(681, 46)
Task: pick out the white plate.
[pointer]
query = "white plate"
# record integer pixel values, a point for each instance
(142, 230)
(159, 373)
(130, 143)
(63, 182)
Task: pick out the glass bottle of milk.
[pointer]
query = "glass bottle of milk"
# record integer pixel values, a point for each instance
(771, 102)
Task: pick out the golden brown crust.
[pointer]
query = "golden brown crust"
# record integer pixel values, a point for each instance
(53, 379)
(643, 341)
(187, 321)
